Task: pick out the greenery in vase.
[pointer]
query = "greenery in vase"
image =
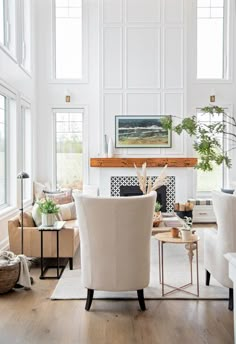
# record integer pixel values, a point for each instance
(48, 206)
(207, 136)
(158, 207)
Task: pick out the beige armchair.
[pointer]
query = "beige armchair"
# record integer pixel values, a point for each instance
(69, 240)
(115, 238)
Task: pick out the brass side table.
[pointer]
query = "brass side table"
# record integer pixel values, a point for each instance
(190, 245)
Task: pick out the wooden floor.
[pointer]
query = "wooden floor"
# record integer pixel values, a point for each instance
(30, 317)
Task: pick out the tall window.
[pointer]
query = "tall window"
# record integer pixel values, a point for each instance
(8, 25)
(68, 30)
(69, 149)
(26, 34)
(211, 39)
(209, 181)
(26, 148)
(2, 150)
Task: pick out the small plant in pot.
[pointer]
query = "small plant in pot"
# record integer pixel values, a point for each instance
(186, 230)
(157, 215)
(49, 209)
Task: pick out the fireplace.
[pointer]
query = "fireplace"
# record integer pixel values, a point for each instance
(128, 186)
(134, 190)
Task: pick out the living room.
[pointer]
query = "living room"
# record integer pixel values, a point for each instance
(90, 92)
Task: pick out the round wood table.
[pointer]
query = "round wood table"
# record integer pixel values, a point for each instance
(190, 245)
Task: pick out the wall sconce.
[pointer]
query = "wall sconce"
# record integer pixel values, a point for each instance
(67, 96)
(212, 96)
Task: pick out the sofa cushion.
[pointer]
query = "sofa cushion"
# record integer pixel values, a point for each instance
(61, 197)
(36, 215)
(67, 211)
(27, 220)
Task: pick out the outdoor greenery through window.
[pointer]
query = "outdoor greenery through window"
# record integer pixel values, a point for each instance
(209, 181)
(2, 150)
(211, 39)
(69, 149)
(68, 27)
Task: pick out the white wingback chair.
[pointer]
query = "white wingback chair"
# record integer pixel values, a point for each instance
(220, 241)
(115, 236)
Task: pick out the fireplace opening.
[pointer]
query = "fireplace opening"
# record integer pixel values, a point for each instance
(134, 190)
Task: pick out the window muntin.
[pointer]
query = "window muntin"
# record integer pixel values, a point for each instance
(211, 39)
(69, 149)
(26, 34)
(3, 162)
(68, 39)
(209, 181)
(8, 25)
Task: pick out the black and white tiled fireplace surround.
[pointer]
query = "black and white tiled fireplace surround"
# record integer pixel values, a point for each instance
(118, 181)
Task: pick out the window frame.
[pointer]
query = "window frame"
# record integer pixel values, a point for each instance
(84, 79)
(5, 204)
(75, 109)
(4, 47)
(23, 43)
(227, 46)
(25, 104)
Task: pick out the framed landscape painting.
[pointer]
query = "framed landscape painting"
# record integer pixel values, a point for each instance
(141, 132)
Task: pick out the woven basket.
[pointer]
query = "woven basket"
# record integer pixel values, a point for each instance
(9, 275)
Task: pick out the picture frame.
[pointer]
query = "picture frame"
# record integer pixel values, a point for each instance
(141, 132)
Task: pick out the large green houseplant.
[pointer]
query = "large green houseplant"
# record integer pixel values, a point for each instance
(210, 149)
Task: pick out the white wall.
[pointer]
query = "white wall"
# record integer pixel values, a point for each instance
(140, 61)
(13, 77)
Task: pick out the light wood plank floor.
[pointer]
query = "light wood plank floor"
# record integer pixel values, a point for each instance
(30, 317)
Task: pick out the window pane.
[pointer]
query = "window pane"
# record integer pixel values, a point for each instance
(210, 40)
(1, 22)
(69, 150)
(209, 181)
(68, 39)
(2, 151)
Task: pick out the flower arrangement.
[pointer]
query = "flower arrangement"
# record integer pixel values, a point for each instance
(48, 206)
(145, 184)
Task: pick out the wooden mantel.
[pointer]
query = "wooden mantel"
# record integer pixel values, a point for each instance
(151, 162)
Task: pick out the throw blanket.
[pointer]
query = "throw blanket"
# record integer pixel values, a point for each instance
(9, 258)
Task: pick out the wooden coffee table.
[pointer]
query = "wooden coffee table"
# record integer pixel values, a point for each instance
(190, 245)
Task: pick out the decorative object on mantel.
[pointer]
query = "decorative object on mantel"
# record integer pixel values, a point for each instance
(49, 210)
(105, 147)
(142, 132)
(110, 148)
(208, 135)
(145, 184)
(151, 162)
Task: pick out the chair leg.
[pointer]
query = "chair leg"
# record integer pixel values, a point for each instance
(89, 300)
(141, 299)
(231, 299)
(208, 276)
(71, 263)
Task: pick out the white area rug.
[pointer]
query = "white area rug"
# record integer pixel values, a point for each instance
(177, 272)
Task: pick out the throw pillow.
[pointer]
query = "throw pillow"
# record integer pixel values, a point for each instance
(62, 197)
(27, 220)
(37, 216)
(67, 211)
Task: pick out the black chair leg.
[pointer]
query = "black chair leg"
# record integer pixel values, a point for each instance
(141, 299)
(231, 299)
(89, 301)
(208, 276)
(71, 263)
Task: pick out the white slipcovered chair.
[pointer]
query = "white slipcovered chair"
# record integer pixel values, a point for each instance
(220, 241)
(115, 236)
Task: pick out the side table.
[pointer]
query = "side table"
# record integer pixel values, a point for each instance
(58, 225)
(191, 244)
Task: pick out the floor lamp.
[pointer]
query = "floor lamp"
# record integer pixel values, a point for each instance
(22, 176)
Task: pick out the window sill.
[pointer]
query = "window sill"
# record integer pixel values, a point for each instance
(28, 73)
(7, 212)
(213, 81)
(8, 53)
(68, 81)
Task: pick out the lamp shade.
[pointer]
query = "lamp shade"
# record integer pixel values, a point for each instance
(22, 175)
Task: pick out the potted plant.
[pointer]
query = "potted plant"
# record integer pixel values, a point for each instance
(48, 208)
(157, 215)
(186, 230)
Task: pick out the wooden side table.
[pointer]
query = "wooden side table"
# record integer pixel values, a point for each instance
(56, 228)
(191, 244)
